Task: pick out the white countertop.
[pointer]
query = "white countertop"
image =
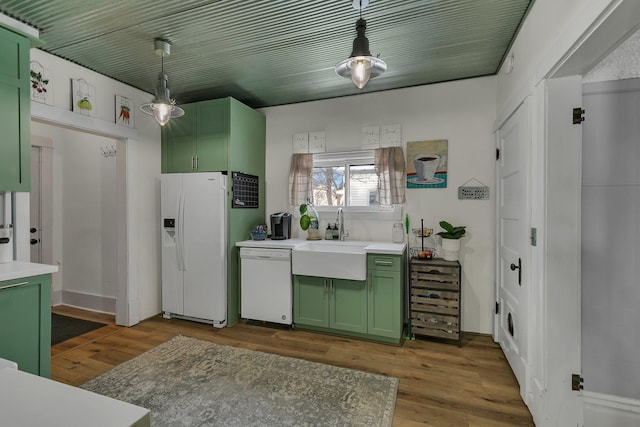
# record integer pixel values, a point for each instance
(370, 247)
(19, 269)
(29, 400)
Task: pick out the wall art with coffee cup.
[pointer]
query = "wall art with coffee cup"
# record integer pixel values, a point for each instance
(427, 164)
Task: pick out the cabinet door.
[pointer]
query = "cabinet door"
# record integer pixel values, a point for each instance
(213, 135)
(384, 304)
(15, 148)
(311, 301)
(179, 139)
(348, 305)
(25, 323)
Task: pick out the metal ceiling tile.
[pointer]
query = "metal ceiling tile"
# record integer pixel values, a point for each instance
(268, 52)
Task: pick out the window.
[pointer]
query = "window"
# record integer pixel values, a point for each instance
(345, 179)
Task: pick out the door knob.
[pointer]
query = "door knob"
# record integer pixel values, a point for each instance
(519, 268)
(34, 241)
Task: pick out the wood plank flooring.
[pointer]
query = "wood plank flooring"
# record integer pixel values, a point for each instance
(441, 385)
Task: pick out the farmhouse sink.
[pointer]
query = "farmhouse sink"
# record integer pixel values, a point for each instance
(343, 260)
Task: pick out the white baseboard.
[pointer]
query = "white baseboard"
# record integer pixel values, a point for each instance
(56, 298)
(91, 302)
(608, 410)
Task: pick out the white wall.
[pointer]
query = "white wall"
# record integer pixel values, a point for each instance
(461, 112)
(147, 167)
(550, 29)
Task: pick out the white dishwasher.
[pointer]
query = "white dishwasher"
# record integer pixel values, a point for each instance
(265, 285)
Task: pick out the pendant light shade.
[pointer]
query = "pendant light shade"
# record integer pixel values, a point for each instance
(163, 108)
(361, 66)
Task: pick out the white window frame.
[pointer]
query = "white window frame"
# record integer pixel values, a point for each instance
(354, 158)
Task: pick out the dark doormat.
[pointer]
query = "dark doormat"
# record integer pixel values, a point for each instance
(64, 327)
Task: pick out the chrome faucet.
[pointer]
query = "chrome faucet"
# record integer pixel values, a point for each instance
(340, 221)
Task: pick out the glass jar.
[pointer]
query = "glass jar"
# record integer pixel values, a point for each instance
(397, 233)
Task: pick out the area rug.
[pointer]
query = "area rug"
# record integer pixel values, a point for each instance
(65, 327)
(190, 382)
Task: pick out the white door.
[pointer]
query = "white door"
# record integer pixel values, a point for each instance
(512, 292)
(35, 226)
(561, 405)
(205, 278)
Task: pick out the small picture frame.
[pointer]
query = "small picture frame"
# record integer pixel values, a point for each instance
(124, 111)
(83, 97)
(427, 164)
(40, 79)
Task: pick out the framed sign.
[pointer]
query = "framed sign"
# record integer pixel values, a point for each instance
(427, 164)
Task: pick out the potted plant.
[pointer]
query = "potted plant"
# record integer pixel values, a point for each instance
(309, 220)
(451, 240)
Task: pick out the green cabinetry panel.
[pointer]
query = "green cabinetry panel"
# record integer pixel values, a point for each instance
(15, 112)
(25, 323)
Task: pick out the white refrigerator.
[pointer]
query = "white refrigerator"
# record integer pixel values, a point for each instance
(194, 241)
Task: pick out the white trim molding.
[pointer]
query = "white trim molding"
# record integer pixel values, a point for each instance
(88, 301)
(609, 410)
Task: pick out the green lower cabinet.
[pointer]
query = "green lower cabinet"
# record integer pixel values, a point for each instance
(348, 305)
(330, 303)
(384, 304)
(25, 323)
(311, 302)
(366, 309)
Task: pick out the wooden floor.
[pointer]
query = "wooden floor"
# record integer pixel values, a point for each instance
(440, 384)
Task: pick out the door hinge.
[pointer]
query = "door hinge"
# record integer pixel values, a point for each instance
(534, 236)
(497, 154)
(577, 382)
(497, 307)
(578, 117)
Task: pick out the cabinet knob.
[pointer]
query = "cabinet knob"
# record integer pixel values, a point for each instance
(34, 241)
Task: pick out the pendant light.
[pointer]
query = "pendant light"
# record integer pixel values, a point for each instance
(361, 66)
(163, 108)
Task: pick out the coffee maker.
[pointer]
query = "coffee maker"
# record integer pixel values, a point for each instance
(280, 226)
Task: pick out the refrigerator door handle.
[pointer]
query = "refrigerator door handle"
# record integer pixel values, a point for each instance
(180, 232)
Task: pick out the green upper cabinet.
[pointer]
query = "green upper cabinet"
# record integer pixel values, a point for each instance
(213, 135)
(209, 136)
(15, 112)
(179, 142)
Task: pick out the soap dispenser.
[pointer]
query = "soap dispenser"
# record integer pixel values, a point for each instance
(328, 234)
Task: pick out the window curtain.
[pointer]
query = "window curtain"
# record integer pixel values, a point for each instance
(391, 175)
(300, 179)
